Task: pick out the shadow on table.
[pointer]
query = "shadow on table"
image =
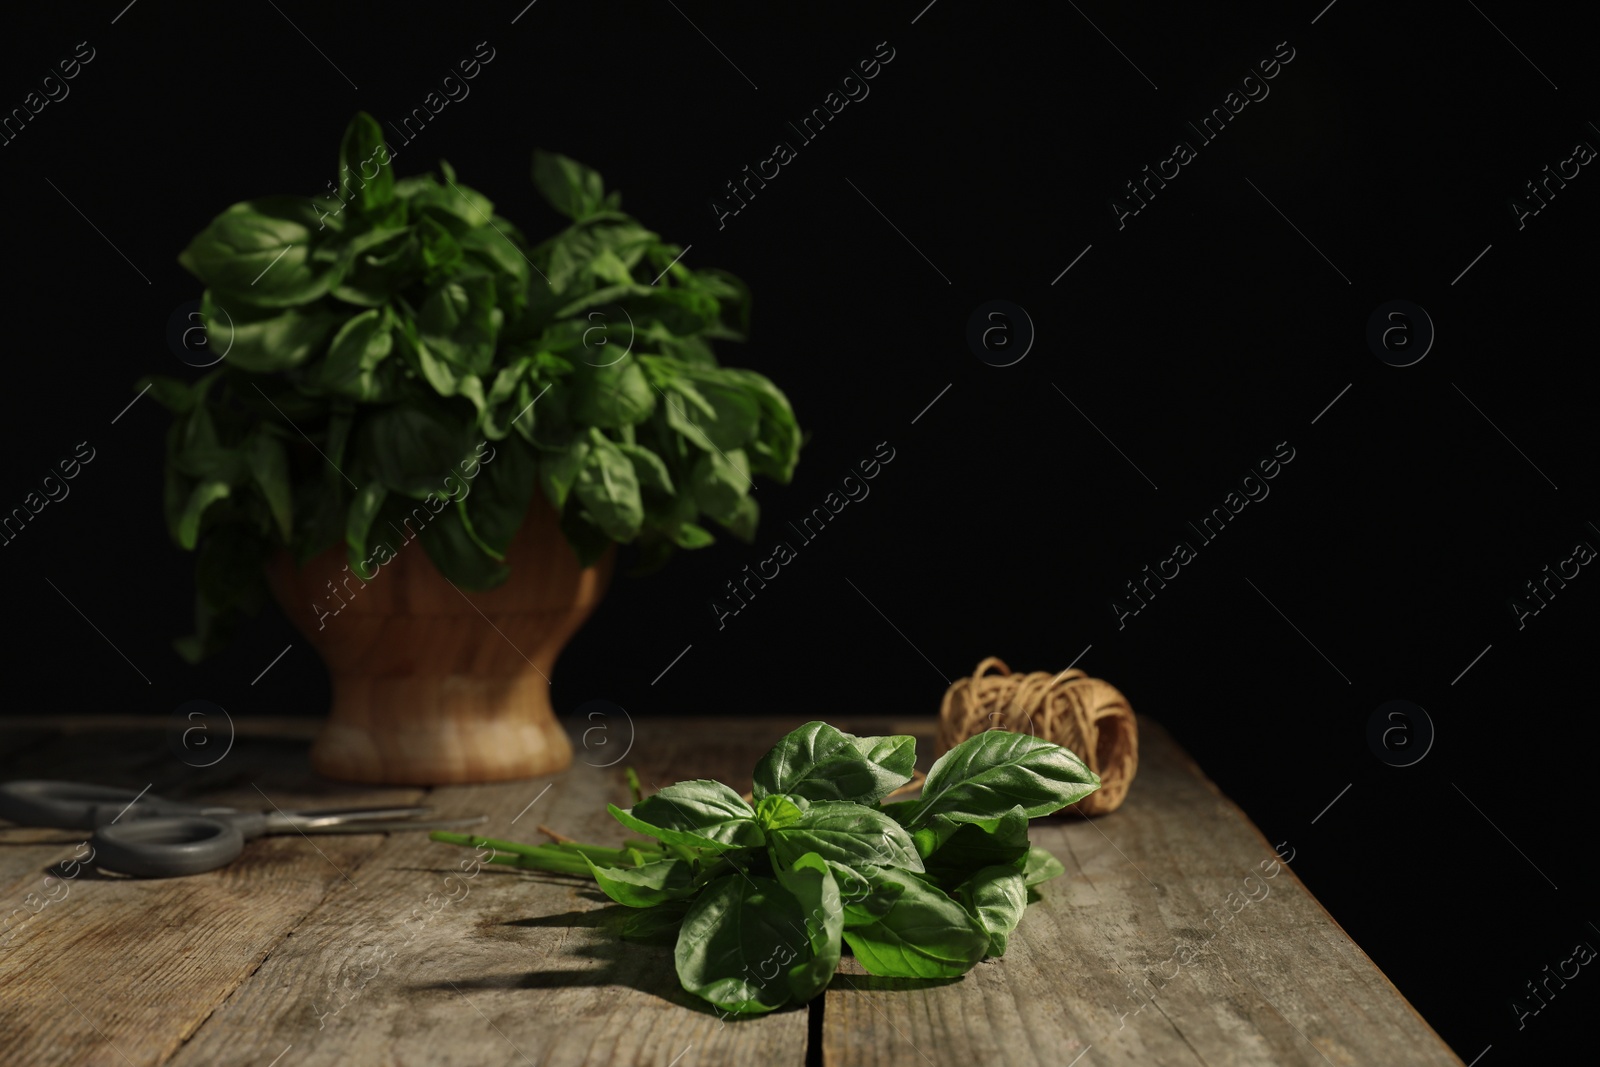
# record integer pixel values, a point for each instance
(872, 983)
(642, 964)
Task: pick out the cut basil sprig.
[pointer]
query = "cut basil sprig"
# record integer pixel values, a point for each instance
(762, 899)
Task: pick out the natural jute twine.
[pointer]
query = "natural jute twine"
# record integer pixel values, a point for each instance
(1086, 715)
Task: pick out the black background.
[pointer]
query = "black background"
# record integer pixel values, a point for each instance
(1196, 338)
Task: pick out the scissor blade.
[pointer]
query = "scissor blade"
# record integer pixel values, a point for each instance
(394, 826)
(316, 820)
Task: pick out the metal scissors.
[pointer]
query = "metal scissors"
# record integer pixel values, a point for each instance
(151, 837)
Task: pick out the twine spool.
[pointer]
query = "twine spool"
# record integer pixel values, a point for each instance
(1086, 715)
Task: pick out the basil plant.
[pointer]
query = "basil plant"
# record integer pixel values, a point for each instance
(381, 348)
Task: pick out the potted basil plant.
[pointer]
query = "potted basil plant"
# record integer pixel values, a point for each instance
(425, 436)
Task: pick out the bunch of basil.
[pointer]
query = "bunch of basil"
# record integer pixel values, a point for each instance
(763, 897)
(371, 341)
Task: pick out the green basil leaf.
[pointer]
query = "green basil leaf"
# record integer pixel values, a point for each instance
(819, 762)
(470, 386)
(204, 495)
(611, 396)
(496, 246)
(1041, 867)
(683, 312)
(355, 352)
(460, 323)
(866, 892)
(742, 523)
(901, 811)
(895, 755)
(923, 934)
(506, 380)
(646, 886)
(733, 301)
(996, 897)
(719, 482)
(364, 239)
(589, 543)
(199, 453)
(177, 397)
(648, 468)
(441, 256)
(657, 925)
(688, 411)
(453, 551)
(436, 371)
(339, 425)
(269, 466)
(373, 275)
(609, 490)
(697, 814)
(498, 502)
(363, 511)
(362, 343)
(811, 882)
(775, 812)
(737, 412)
(572, 252)
(845, 833)
(956, 844)
(413, 449)
(458, 201)
(995, 770)
(362, 148)
(408, 188)
(558, 472)
(567, 185)
(688, 535)
(610, 269)
(528, 418)
(573, 331)
(264, 342)
(684, 352)
(320, 504)
(260, 252)
(736, 942)
(331, 219)
(776, 448)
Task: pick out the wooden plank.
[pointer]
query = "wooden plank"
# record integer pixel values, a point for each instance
(120, 757)
(123, 970)
(1147, 953)
(519, 968)
(357, 953)
(136, 753)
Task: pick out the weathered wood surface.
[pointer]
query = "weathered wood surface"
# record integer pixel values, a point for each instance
(372, 949)
(122, 970)
(1153, 948)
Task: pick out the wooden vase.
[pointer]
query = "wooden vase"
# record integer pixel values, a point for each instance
(434, 685)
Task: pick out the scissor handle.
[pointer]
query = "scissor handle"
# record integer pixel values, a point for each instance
(167, 846)
(68, 805)
(81, 806)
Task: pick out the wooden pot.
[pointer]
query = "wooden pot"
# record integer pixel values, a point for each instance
(433, 685)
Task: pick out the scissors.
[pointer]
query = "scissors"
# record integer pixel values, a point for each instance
(150, 837)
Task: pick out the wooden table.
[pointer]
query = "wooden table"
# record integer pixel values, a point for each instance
(357, 950)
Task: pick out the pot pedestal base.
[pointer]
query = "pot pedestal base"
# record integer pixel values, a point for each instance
(436, 685)
(440, 730)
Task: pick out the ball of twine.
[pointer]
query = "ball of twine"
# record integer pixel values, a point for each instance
(1086, 715)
